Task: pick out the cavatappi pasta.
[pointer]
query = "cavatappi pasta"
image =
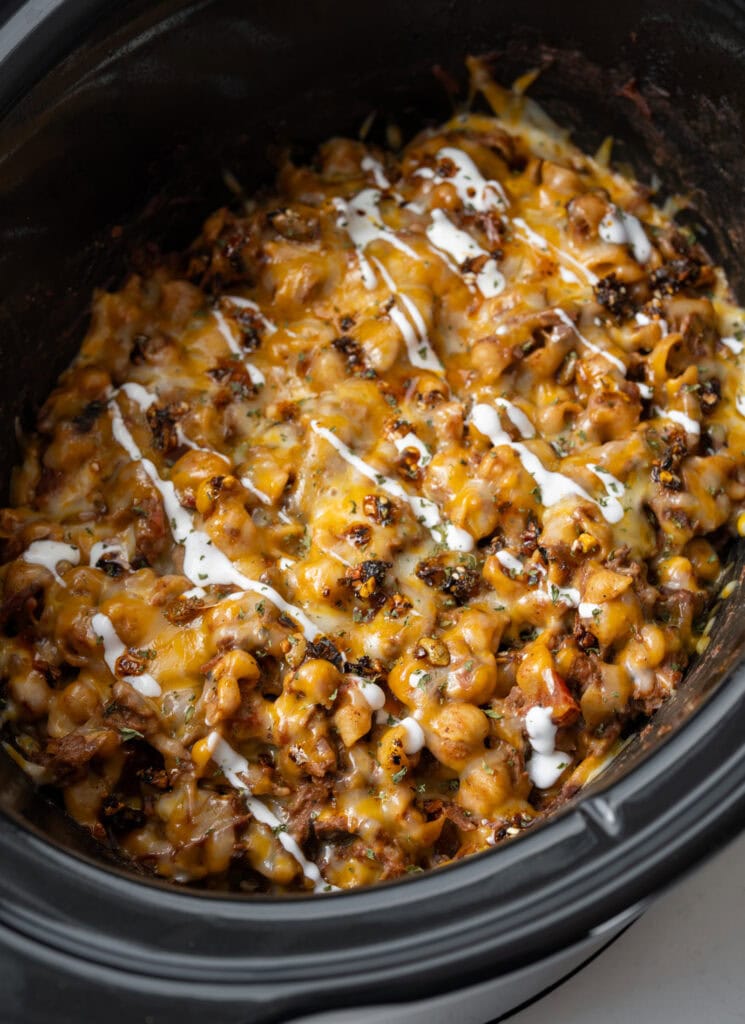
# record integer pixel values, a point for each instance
(356, 538)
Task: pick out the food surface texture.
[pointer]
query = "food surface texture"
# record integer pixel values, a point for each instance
(359, 537)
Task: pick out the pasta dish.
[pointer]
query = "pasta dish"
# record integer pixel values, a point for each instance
(358, 537)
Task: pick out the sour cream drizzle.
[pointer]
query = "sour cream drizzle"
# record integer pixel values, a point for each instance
(257, 377)
(414, 735)
(371, 692)
(555, 487)
(418, 347)
(561, 595)
(537, 241)
(587, 609)
(409, 441)
(517, 417)
(425, 510)
(473, 189)
(374, 167)
(235, 767)
(566, 319)
(621, 228)
(613, 509)
(733, 345)
(644, 321)
(449, 239)
(139, 395)
(113, 649)
(547, 763)
(690, 425)
(361, 218)
(48, 553)
(204, 564)
(510, 563)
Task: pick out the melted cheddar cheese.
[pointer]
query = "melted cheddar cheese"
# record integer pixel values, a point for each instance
(357, 537)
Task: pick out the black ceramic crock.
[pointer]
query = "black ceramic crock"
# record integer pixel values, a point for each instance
(117, 121)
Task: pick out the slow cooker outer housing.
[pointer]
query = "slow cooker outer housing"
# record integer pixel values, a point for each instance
(126, 115)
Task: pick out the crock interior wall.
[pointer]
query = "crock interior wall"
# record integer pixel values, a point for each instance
(136, 126)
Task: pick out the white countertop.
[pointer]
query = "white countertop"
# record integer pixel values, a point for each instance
(683, 962)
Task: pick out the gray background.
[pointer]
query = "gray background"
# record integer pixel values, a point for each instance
(683, 962)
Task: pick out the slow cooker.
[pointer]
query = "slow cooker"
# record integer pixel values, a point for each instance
(118, 123)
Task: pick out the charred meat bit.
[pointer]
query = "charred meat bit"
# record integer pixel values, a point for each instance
(432, 572)
(183, 610)
(110, 566)
(133, 663)
(352, 352)
(664, 469)
(235, 380)
(710, 394)
(366, 578)
(250, 324)
(358, 534)
(378, 508)
(326, 650)
(84, 421)
(371, 668)
(460, 581)
(119, 816)
(614, 296)
(677, 275)
(163, 421)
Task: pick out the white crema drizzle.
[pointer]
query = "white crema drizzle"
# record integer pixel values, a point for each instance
(621, 228)
(242, 303)
(360, 217)
(48, 553)
(473, 189)
(113, 649)
(418, 347)
(425, 510)
(733, 345)
(373, 694)
(509, 562)
(235, 767)
(204, 563)
(613, 509)
(537, 241)
(555, 487)
(256, 376)
(459, 245)
(547, 763)
(516, 417)
(614, 360)
(374, 167)
(682, 419)
(411, 442)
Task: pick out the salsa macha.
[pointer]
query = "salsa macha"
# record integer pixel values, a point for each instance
(358, 536)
